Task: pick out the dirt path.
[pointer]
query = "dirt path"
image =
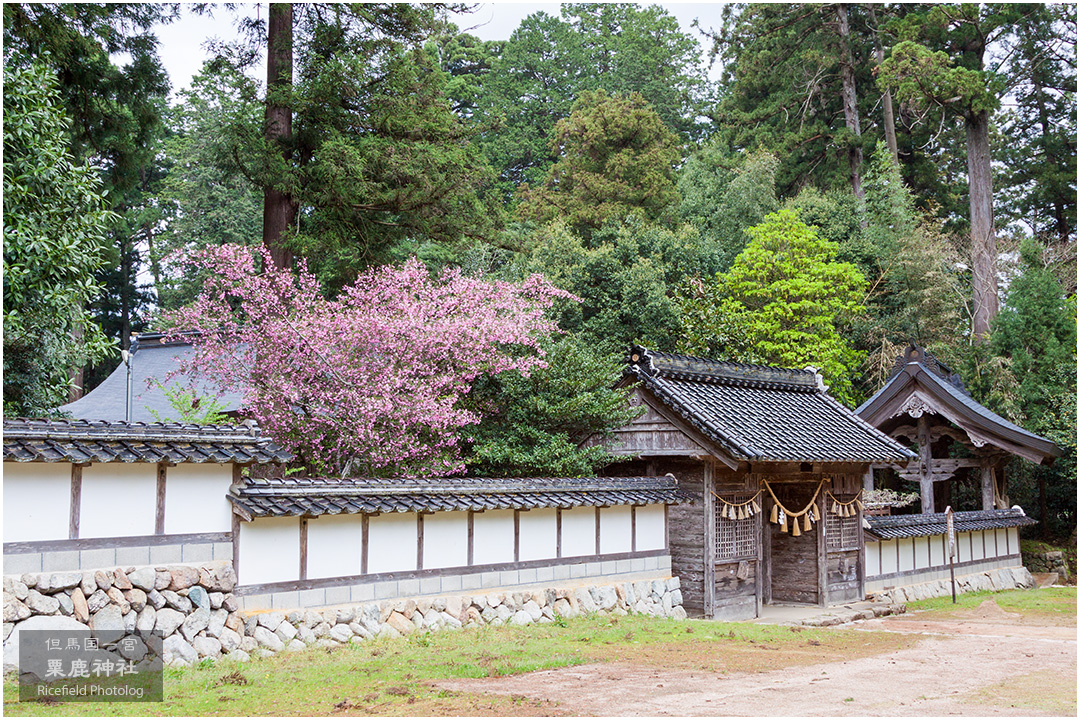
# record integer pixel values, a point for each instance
(986, 664)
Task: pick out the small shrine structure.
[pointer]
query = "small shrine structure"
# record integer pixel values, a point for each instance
(925, 406)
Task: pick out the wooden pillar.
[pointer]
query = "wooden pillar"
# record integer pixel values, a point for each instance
(709, 569)
(926, 479)
(986, 476)
(868, 479)
(822, 563)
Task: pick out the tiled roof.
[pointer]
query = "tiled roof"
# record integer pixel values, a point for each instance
(887, 527)
(759, 413)
(86, 441)
(332, 496)
(916, 375)
(153, 358)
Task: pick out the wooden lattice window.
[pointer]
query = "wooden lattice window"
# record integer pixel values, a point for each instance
(736, 539)
(841, 533)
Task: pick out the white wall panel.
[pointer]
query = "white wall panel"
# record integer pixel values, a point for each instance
(650, 532)
(446, 540)
(978, 551)
(963, 546)
(1014, 540)
(538, 534)
(615, 529)
(888, 557)
(922, 553)
(392, 542)
(493, 537)
(579, 531)
(907, 554)
(37, 501)
(118, 500)
(269, 551)
(1002, 540)
(873, 559)
(334, 545)
(938, 548)
(195, 498)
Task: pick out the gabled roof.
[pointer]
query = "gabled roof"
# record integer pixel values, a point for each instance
(82, 441)
(919, 379)
(153, 358)
(335, 496)
(758, 413)
(887, 527)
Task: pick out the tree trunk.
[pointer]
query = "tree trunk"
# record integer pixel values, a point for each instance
(983, 240)
(279, 209)
(851, 109)
(889, 120)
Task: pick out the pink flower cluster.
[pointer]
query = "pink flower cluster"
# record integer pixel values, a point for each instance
(369, 383)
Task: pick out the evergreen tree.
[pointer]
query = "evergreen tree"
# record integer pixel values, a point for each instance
(55, 237)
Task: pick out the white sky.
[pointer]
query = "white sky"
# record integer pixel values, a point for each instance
(182, 43)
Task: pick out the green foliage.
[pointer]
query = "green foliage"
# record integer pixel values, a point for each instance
(783, 302)
(205, 201)
(54, 239)
(533, 425)
(723, 194)
(616, 158)
(549, 62)
(623, 276)
(188, 407)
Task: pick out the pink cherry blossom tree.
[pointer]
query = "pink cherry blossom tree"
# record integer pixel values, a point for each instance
(371, 382)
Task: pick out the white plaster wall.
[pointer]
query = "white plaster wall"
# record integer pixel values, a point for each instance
(195, 498)
(392, 542)
(873, 559)
(579, 531)
(938, 548)
(907, 554)
(615, 529)
(888, 556)
(978, 548)
(335, 544)
(538, 534)
(118, 500)
(37, 501)
(963, 547)
(269, 551)
(651, 533)
(446, 540)
(1002, 540)
(1014, 540)
(493, 537)
(922, 553)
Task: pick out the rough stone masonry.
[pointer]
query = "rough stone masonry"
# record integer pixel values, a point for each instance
(194, 612)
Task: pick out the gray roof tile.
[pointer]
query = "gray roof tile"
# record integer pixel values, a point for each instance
(332, 496)
(760, 413)
(88, 441)
(888, 527)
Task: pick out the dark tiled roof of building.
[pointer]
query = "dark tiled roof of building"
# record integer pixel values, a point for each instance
(759, 413)
(85, 441)
(318, 496)
(153, 359)
(951, 397)
(888, 527)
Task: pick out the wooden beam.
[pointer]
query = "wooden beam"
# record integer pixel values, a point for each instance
(926, 483)
(303, 547)
(986, 478)
(364, 551)
(159, 517)
(420, 541)
(517, 535)
(76, 502)
(470, 547)
(709, 516)
(822, 563)
(558, 534)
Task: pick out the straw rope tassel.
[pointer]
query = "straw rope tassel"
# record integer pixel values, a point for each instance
(772, 514)
(795, 531)
(806, 522)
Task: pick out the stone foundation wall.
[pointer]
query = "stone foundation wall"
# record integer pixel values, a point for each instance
(1000, 579)
(1047, 562)
(196, 614)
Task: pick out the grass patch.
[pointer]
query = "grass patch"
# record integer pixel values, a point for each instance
(1045, 692)
(1052, 606)
(392, 677)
